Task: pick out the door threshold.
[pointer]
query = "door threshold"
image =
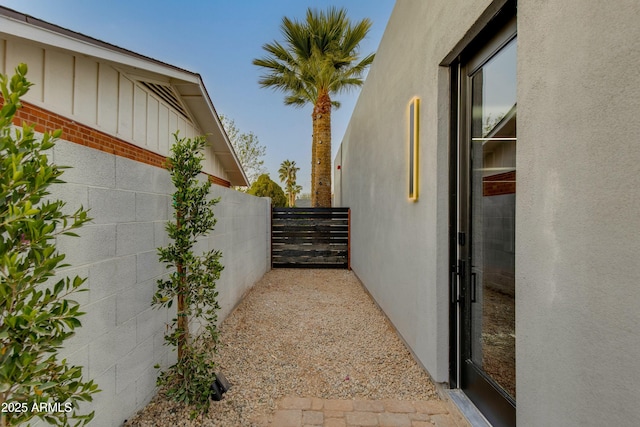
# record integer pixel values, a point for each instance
(467, 408)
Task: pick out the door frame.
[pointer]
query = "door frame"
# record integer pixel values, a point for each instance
(497, 31)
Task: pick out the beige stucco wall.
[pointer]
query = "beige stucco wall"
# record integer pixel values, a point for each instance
(400, 247)
(578, 198)
(578, 222)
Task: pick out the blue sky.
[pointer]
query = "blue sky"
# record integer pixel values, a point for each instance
(218, 39)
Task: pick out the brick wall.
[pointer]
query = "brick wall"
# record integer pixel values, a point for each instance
(47, 121)
(502, 183)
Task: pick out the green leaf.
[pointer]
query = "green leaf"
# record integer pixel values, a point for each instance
(36, 317)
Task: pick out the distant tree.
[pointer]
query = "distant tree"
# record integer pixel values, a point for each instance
(319, 58)
(248, 149)
(287, 174)
(265, 187)
(295, 190)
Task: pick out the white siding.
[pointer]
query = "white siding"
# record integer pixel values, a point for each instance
(107, 98)
(173, 125)
(100, 96)
(140, 116)
(213, 165)
(164, 134)
(125, 108)
(58, 81)
(85, 91)
(182, 126)
(152, 123)
(31, 55)
(2, 50)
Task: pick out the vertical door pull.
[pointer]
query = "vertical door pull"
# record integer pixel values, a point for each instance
(473, 286)
(460, 273)
(454, 276)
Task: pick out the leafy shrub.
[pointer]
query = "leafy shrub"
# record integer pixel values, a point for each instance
(266, 187)
(35, 315)
(192, 282)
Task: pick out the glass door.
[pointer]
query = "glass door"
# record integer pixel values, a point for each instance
(486, 229)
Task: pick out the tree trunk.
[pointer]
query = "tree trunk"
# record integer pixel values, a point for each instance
(321, 152)
(183, 323)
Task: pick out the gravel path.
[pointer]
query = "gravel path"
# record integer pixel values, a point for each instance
(307, 333)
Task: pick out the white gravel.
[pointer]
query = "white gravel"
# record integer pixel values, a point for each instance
(307, 333)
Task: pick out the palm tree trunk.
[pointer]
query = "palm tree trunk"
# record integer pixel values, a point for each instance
(321, 155)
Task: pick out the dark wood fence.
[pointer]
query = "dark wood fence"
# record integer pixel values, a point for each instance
(310, 237)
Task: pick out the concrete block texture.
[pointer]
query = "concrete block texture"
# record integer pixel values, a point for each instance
(122, 336)
(151, 207)
(132, 175)
(134, 237)
(96, 243)
(111, 276)
(74, 196)
(134, 300)
(111, 347)
(109, 206)
(130, 367)
(148, 266)
(88, 166)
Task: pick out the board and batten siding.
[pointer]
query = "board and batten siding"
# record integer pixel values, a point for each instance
(98, 95)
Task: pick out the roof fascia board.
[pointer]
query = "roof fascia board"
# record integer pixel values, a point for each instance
(24, 30)
(17, 25)
(218, 123)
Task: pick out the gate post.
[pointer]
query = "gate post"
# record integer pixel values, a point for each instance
(349, 240)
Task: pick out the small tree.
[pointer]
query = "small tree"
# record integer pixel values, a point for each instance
(35, 315)
(266, 187)
(192, 283)
(248, 149)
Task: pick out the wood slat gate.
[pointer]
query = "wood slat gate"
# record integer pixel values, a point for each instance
(310, 237)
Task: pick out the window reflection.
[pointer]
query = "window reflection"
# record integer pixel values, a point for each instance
(493, 151)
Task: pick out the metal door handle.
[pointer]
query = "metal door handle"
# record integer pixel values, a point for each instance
(473, 286)
(454, 278)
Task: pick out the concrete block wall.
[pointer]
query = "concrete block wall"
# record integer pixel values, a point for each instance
(121, 338)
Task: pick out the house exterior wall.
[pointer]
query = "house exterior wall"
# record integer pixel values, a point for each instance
(577, 239)
(121, 338)
(577, 199)
(100, 95)
(400, 247)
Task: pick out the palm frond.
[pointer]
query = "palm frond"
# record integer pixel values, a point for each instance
(296, 101)
(318, 54)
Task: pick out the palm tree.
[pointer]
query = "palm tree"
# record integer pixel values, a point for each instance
(319, 58)
(287, 173)
(295, 190)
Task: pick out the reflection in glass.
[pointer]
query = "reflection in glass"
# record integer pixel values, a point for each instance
(493, 186)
